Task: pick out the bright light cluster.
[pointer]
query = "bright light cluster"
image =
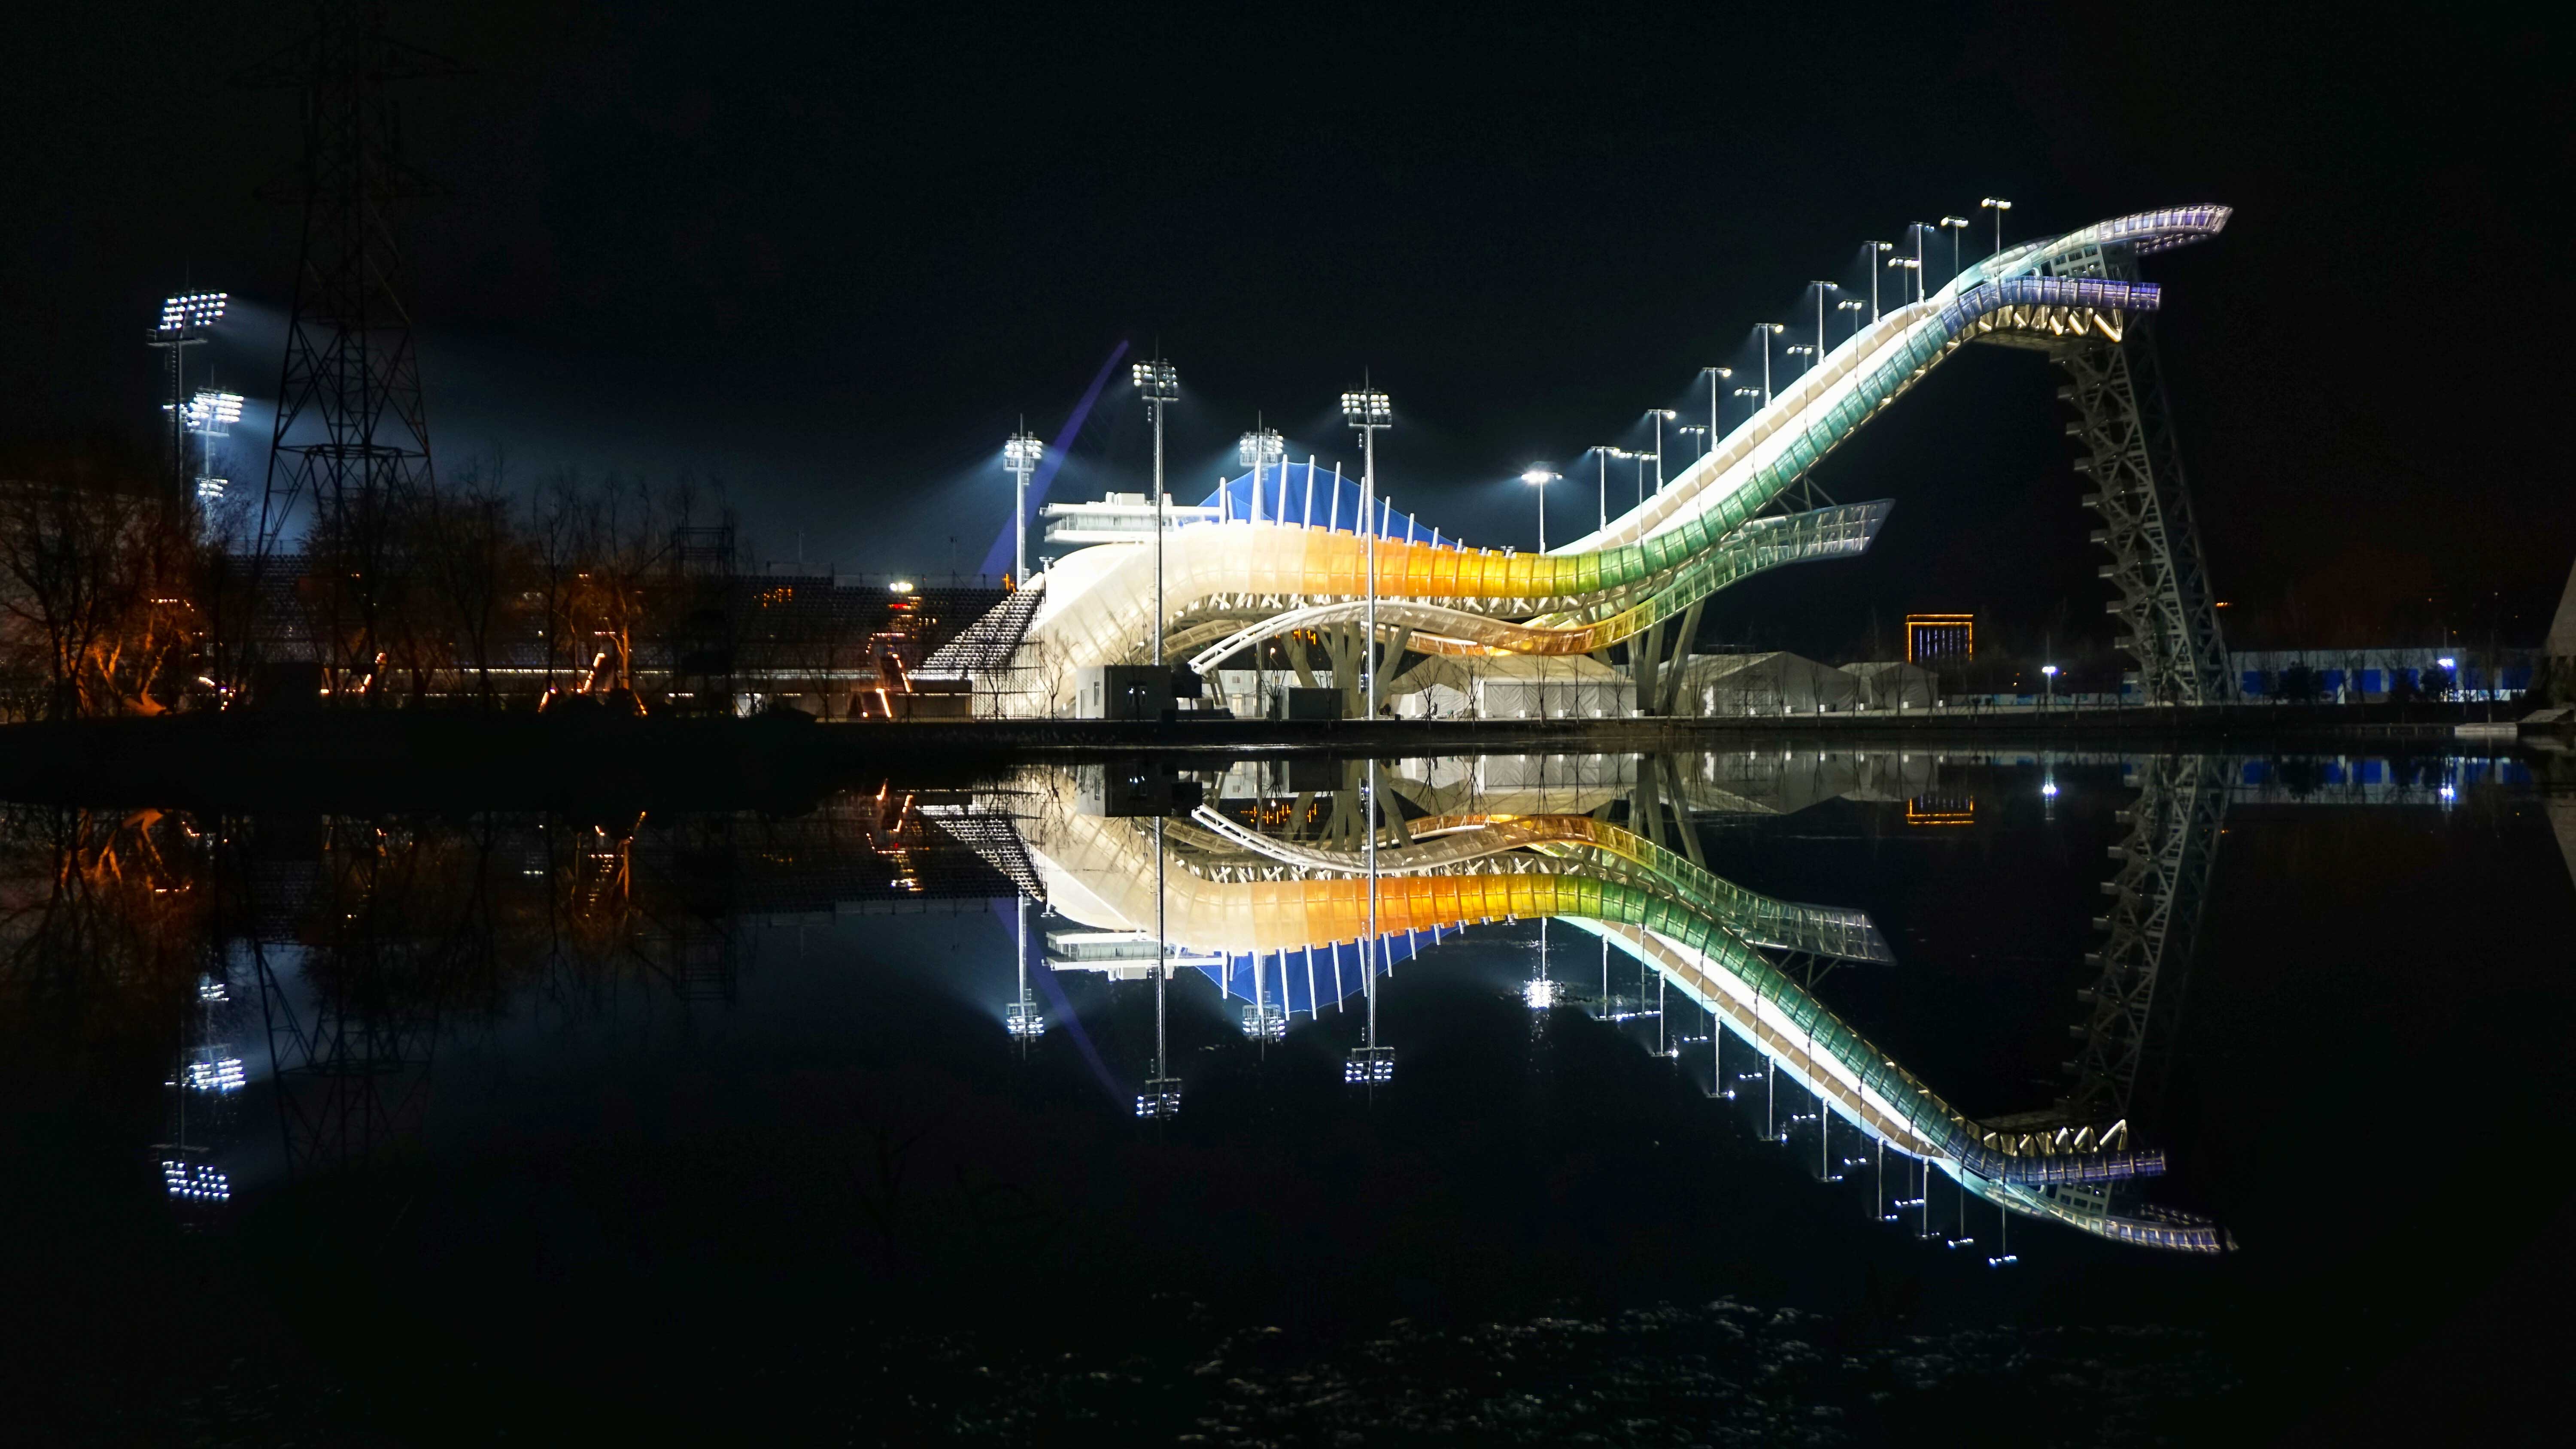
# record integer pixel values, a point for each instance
(1261, 449)
(212, 413)
(195, 1182)
(1160, 382)
(223, 1074)
(1539, 995)
(192, 312)
(1368, 408)
(1022, 452)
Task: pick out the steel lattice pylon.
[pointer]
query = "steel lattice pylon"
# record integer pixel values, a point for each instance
(352, 434)
(2153, 923)
(2168, 619)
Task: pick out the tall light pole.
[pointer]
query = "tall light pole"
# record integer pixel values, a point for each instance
(211, 415)
(1159, 384)
(185, 321)
(1538, 478)
(1695, 430)
(1821, 289)
(1370, 412)
(1998, 206)
(1257, 450)
(1909, 264)
(1800, 349)
(1917, 228)
(1853, 306)
(1606, 452)
(1876, 250)
(1752, 401)
(1715, 375)
(1021, 454)
(1954, 225)
(1768, 330)
(1660, 416)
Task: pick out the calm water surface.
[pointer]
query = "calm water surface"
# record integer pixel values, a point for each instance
(1790, 1094)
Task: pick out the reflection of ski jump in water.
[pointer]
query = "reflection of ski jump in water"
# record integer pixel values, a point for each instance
(1255, 906)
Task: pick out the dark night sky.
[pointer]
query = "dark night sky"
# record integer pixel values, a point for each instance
(829, 259)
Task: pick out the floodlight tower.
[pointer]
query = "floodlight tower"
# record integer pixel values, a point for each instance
(1694, 430)
(211, 415)
(1020, 454)
(1159, 384)
(1715, 375)
(1752, 401)
(1370, 411)
(1821, 289)
(1538, 478)
(1258, 450)
(1660, 416)
(1954, 225)
(1768, 330)
(185, 321)
(1875, 250)
(1998, 206)
(1606, 452)
(1853, 306)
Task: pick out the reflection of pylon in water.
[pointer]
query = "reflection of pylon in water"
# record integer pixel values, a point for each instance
(353, 1059)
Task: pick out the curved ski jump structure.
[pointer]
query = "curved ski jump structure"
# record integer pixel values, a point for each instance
(1229, 585)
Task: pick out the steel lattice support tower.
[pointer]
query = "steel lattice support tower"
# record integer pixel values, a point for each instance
(2168, 619)
(352, 435)
(2153, 923)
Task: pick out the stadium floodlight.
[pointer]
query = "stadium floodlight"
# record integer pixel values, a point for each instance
(1715, 375)
(1998, 206)
(1954, 225)
(1694, 430)
(1821, 289)
(190, 313)
(212, 414)
(1159, 384)
(1260, 450)
(1021, 453)
(1538, 478)
(185, 320)
(1768, 330)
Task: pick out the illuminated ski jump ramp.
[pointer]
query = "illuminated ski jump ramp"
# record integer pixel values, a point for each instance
(1231, 584)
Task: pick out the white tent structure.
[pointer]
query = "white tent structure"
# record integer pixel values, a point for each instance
(1894, 684)
(1758, 684)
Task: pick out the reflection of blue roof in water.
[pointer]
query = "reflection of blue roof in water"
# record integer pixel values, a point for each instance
(1325, 973)
(1316, 497)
